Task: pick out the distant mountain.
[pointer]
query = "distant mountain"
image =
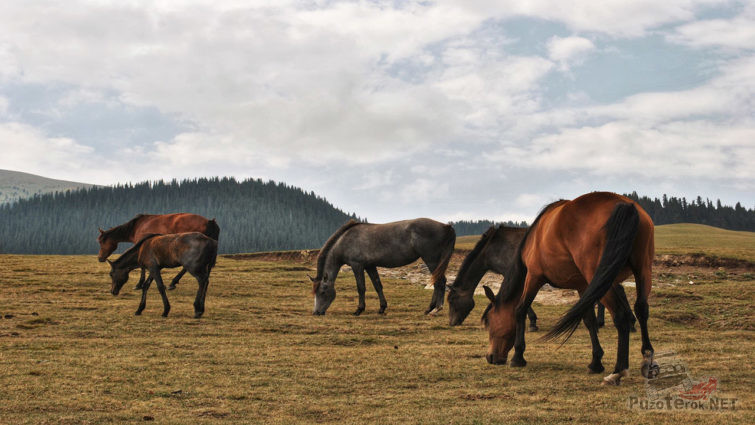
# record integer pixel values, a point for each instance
(253, 215)
(15, 185)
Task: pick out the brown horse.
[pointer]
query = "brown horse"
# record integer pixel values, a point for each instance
(194, 251)
(144, 224)
(590, 244)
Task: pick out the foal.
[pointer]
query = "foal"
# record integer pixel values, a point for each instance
(194, 251)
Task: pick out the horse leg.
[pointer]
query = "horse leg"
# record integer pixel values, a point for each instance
(596, 366)
(622, 296)
(439, 289)
(204, 282)
(622, 321)
(143, 302)
(649, 367)
(141, 280)
(531, 286)
(375, 278)
(601, 315)
(359, 276)
(175, 280)
(533, 320)
(161, 287)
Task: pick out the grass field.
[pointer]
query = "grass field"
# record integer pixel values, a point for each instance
(71, 353)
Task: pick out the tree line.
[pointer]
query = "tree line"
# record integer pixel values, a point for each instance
(253, 215)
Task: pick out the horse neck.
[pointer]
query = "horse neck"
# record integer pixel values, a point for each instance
(468, 281)
(333, 265)
(129, 259)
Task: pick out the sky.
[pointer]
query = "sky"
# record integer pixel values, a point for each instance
(391, 110)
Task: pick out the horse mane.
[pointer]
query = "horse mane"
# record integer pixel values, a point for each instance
(329, 244)
(518, 271)
(134, 248)
(476, 250)
(124, 230)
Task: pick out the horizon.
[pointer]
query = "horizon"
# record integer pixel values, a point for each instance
(455, 110)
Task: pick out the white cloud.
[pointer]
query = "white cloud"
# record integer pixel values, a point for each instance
(735, 33)
(568, 50)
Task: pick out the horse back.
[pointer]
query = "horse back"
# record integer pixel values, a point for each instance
(171, 223)
(187, 249)
(568, 242)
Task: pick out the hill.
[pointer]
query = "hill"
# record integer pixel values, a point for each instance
(15, 185)
(253, 215)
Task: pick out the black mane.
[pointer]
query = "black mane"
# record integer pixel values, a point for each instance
(329, 244)
(134, 249)
(475, 251)
(518, 271)
(123, 231)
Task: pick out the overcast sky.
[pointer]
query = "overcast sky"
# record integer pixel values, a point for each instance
(451, 110)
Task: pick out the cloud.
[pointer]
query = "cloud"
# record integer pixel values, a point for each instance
(736, 33)
(568, 50)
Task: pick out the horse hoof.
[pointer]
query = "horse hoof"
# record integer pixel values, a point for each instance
(382, 310)
(515, 362)
(650, 370)
(197, 315)
(358, 312)
(165, 314)
(137, 288)
(534, 328)
(138, 313)
(171, 287)
(595, 368)
(633, 329)
(615, 378)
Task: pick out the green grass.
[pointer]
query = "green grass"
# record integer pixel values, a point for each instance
(684, 239)
(72, 354)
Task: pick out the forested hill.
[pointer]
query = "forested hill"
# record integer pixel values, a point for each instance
(253, 215)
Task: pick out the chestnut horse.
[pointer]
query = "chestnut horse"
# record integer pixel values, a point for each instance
(365, 246)
(194, 251)
(145, 224)
(590, 244)
(494, 251)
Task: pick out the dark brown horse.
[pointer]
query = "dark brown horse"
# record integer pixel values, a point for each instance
(194, 251)
(145, 224)
(365, 247)
(590, 244)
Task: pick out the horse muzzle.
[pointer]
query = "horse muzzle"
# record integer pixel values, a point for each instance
(492, 360)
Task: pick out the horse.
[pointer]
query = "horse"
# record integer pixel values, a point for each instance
(366, 246)
(144, 224)
(590, 244)
(494, 251)
(194, 251)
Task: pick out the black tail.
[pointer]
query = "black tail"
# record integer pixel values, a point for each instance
(621, 230)
(211, 255)
(448, 250)
(212, 230)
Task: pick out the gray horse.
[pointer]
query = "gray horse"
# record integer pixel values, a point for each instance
(365, 246)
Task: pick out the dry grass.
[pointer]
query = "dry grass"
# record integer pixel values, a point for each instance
(72, 353)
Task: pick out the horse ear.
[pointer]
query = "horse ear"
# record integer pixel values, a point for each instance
(489, 293)
(101, 231)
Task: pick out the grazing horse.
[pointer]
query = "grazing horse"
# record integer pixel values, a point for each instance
(590, 244)
(144, 224)
(194, 251)
(494, 251)
(365, 246)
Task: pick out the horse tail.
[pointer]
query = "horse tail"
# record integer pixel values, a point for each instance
(621, 230)
(212, 230)
(448, 249)
(211, 255)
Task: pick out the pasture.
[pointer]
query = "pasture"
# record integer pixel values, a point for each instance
(71, 353)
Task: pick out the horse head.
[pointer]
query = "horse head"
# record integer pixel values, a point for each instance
(118, 277)
(107, 246)
(460, 304)
(501, 324)
(324, 291)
